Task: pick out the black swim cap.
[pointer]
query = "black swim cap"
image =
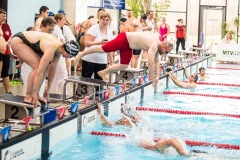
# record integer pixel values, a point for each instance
(71, 47)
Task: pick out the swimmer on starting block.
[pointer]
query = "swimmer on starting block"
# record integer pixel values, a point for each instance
(126, 42)
(38, 50)
(131, 117)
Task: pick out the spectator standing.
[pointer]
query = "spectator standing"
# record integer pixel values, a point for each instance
(67, 22)
(61, 70)
(98, 34)
(180, 35)
(164, 30)
(43, 11)
(5, 57)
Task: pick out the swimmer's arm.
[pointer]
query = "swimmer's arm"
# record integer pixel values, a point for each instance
(151, 61)
(52, 71)
(147, 145)
(103, 119)
(157, 65)
(186, 72)
(176, 81)
(44, 62)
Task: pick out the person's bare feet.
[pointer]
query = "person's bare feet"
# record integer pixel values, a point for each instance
(37, 103)
(103, 76)
(28, 99)
(41, 99)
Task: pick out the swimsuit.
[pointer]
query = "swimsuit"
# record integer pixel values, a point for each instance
(120, 43)
(34, 46)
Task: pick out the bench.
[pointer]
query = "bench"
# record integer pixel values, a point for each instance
(86, 86)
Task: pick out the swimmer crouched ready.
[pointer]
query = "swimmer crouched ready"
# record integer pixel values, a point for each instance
(38, 50)
(131, 117)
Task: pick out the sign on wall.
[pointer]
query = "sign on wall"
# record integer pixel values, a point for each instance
(114, 4)
(228, 52)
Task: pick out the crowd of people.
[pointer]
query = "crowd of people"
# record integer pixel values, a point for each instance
(44, 50)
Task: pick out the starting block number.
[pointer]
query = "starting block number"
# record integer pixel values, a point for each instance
(173, 61)
(83, 90)
(15, 112)
(126, 76)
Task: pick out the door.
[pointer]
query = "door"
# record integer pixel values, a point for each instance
(211, 19)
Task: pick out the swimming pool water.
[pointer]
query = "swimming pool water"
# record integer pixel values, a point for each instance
(214, 129)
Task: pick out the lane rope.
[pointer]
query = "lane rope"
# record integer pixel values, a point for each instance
(223, 68)
(201, 94)
(186, 112)
(188, 142)
(215, 83)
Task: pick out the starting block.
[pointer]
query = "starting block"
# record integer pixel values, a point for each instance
(57, 97)
(202, 52)
(16, 108)
(86, 86)
(188, 54)
(129, 73)
(143, 64)
(175, 59)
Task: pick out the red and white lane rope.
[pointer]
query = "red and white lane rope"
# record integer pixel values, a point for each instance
(188, 142)
(201, 94)
(223, 68)
(186, 112)
(216, 83)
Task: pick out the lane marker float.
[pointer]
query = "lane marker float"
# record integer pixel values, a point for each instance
(201, 94)
(215, 83)
(224, 68)
(186, 112)
(188, 142)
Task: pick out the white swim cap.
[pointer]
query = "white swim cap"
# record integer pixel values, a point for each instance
(128, 110)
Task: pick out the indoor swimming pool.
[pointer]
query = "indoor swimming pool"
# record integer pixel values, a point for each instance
(204, 128)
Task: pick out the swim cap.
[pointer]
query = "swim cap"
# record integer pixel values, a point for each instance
(71, 47)
(128, 110)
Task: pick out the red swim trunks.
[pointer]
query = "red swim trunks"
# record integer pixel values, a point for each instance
(119, 43)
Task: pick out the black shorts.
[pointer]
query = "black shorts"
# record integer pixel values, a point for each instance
(5, 65)
(1, 57)
(137, 51)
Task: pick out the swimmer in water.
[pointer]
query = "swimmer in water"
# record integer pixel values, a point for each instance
(162, 145)
(202, 74)
(129, 116)
(192, 79)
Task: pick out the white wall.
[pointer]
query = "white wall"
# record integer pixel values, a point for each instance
(21, 13)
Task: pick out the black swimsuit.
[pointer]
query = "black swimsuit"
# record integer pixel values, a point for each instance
(34, 46)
